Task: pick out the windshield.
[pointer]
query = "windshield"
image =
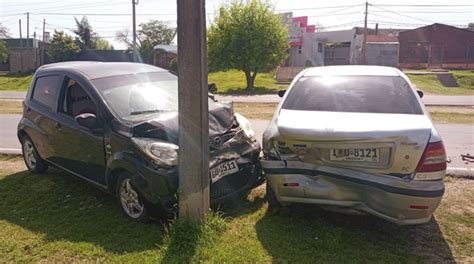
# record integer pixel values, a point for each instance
(132, 96)
(364, 94)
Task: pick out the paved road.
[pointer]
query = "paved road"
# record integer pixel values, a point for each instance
(273, 98)
(427, 99)
(458, 139)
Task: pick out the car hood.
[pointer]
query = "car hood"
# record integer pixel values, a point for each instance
(165, 126)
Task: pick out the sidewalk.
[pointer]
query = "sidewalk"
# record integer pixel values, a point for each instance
(454, 100)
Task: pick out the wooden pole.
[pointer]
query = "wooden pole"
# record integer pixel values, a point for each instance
(21, 46)
(193, 110)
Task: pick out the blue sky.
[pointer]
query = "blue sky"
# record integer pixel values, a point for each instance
(333, 15)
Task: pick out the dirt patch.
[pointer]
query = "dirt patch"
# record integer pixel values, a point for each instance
(11, 163)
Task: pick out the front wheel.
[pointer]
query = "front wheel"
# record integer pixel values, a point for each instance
(32, 159)
(131, 203)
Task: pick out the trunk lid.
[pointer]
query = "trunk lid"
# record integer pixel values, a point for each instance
(382, 143)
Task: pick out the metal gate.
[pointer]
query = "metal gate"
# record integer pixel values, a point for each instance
(337, 55)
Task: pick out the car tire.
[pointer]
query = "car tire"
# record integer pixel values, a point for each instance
(129, 200)
(31, 157)
(274, 206)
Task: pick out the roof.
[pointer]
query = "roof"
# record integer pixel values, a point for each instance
(349, 70)
(440, 25)
(381, 38)
(167, 48)
(96, 69)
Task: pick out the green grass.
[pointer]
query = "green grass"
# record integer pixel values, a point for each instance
(431, 85)
(15, 83)
(233, 81)
(57, 218)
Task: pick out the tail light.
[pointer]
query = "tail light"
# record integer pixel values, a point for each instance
(433, 159)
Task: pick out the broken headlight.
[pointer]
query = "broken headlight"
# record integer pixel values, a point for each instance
(245, 125)
(162, 153)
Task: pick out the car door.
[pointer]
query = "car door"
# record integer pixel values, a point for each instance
(80, 149)
(39, 110)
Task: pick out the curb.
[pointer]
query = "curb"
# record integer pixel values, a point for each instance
(464, 173)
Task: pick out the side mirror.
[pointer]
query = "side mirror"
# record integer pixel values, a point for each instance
(420, 93)
(212, 88)
(281, 93)
(86, 120)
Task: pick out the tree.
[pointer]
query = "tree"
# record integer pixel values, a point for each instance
(62, 47)
(470, 26)
(247, 36)
(4, 52)
(101, 43)
(150, 34)
(85, 34)
(4, 31)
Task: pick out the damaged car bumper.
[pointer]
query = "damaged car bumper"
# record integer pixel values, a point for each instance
(397, 198)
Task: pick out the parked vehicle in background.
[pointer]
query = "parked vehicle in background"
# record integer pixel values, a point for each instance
(355, 139)
(115, 125)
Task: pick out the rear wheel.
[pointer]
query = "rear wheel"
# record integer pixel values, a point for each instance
(32, 159)
(274, 206)
(131, 203)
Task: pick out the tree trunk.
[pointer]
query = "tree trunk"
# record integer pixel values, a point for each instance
(250, 78)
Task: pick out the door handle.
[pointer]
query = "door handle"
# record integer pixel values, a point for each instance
(28, 109)
(57, 125)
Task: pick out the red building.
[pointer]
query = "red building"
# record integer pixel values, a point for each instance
(437, 46)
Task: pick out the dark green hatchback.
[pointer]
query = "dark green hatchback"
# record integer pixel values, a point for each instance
(115, 125)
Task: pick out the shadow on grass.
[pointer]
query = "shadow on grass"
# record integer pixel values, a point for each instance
(243, 91)
(61, 207)
(309, 234)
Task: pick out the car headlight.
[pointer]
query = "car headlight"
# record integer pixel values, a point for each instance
(244, 123)
(162, 153)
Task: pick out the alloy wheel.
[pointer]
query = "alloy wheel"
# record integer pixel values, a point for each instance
(130, 201)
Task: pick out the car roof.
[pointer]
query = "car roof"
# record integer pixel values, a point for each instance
(352, 70)
(95, 69)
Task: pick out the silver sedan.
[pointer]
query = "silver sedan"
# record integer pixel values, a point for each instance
(355, 139)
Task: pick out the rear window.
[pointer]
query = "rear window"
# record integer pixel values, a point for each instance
(45, 90)
(363, 94)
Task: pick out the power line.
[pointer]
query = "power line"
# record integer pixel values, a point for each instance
(395, 5)
(313, 8)
(424, 20)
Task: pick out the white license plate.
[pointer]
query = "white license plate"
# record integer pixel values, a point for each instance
(355, 154)
(223, 169)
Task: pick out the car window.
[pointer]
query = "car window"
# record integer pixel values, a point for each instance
(45, 90)
(75, 100)
(365, 94)
(133, 96)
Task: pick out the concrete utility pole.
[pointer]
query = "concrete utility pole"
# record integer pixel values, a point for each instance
(27, 29)
(364, 43)
(193, 110)
(42, 44)
(134, 3)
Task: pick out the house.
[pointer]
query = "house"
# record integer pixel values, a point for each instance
(342, 47)
(382, 50)
(437, 46)
(164, 54)
(304, 51)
